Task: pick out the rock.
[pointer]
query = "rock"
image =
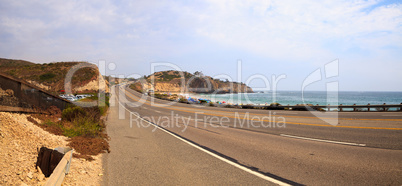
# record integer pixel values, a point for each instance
(10, 92)
(29, 175)
(41, 177)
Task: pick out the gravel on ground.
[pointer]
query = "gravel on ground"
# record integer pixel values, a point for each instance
(20, 140)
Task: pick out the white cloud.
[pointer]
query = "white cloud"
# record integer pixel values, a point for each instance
(297, 30)
(134, 32)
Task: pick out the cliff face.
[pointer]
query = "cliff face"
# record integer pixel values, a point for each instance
(51, 76)
(174, 81)
(209, 85)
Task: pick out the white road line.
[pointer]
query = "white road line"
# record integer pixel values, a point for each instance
(273, 180)
(392, 115)
(158, 111)
(326, 141)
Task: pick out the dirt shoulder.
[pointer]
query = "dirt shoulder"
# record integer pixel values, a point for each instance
(19, 140)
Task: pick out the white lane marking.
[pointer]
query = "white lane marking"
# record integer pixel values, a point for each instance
(158, 111)
(392, 115)
(326, 141)
(273, 180)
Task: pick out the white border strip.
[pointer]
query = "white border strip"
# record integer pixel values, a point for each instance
(267, 178)
(326, 141)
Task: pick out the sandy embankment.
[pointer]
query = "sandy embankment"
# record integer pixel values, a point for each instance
(19, 140)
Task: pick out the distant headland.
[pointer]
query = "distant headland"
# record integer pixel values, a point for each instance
(181, 81)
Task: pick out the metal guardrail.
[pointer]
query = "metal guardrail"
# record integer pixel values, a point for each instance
(341, 108)
(61, 170)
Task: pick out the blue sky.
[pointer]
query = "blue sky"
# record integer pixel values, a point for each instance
(293, 38)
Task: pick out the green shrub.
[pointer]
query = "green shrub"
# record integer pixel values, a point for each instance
(161, 96)
(108, 101)
(47, 76)
(79, 121)
(49, 123)
(11, 72)
(85, 121)
(183, 100)
(84, 126)
(102, 110)
(69, 114)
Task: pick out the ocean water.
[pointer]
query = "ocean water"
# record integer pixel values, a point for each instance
(308, 97)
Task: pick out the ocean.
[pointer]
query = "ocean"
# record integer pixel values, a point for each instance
(309, 97)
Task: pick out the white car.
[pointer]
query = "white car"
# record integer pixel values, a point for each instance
(71, 99)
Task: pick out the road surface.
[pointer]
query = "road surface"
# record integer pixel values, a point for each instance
(210, 145)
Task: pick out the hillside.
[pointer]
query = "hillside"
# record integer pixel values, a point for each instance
(4, 63)
(51, 76)
(171, 81)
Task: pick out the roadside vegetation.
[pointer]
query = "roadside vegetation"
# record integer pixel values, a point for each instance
(169, 97)
(85, 127)
(137, 87)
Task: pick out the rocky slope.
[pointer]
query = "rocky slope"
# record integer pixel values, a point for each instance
(19, 140)
(175, 81)
(51, 76)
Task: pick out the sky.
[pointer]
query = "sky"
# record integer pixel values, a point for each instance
(279, 42)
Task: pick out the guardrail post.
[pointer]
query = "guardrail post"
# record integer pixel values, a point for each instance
(61, 170)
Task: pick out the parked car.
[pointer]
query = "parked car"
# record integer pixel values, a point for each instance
(71, 99)
(80, 96)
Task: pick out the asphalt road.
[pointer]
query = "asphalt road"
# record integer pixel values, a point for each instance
(295, 147)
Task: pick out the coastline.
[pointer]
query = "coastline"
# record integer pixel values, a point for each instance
(310, 97)
(245, 100)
